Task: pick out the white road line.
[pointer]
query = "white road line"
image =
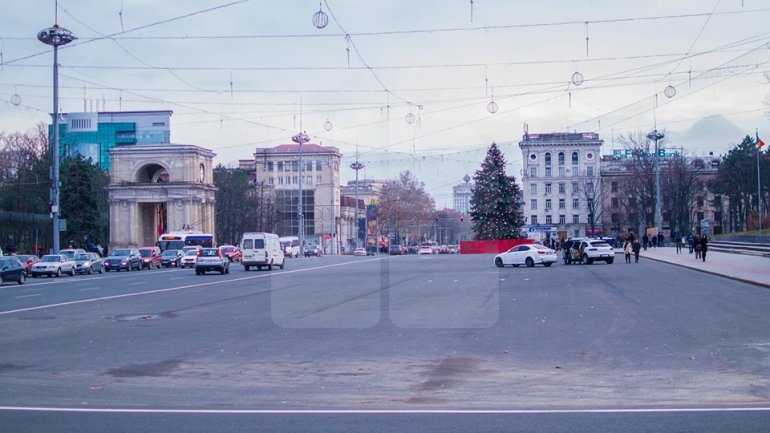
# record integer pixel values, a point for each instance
(176, 278)
(27, 296)
(174, 289)
(137, 283)
(386, 411)
(85, 289)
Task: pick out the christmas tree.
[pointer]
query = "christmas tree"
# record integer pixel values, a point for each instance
(495, 200)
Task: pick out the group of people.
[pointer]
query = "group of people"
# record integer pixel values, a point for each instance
(653, 241)
(632, 245)
(698, 244)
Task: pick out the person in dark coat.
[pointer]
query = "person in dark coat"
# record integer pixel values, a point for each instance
(636, 247)
(697, 245)
(661, 239)
(704, 240)
(654, 241)
(645, 241)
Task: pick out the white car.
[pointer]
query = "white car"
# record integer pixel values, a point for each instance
(529, 255)
(54, 264)
(425, 249)
(360, 251)
(593, 250)
(188, 259)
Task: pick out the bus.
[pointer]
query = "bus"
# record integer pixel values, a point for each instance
(178, 240)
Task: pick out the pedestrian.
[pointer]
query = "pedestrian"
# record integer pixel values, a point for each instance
(704, 240)
(627, 249)
(636, 247)
(678, 243)
(698, 246)
(690, 240)
(654, 241)
(645, 241)
(661, 240)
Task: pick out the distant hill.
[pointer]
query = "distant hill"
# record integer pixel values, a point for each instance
(709, 134)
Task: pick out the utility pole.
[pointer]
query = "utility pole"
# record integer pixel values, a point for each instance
(300, 139)
(357, 166)
(656, 136)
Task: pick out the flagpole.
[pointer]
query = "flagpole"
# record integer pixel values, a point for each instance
(759, 186)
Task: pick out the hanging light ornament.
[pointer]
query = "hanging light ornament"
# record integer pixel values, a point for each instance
(320, 19)
(669, 91)
(409, 118)
(577, 78)
(328, 125)
(15, 98)
(492, 106)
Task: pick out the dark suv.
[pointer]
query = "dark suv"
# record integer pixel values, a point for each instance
(123, 258)
(312, 250)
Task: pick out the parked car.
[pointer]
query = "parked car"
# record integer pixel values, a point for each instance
(211, 259)
(360, 251)
(88, 263)
(425, 248)
(171, 258)
(188, 260)
(123, 258)
(397, 250)
(231, 252)
(313, 250)
(593, 250)
(529, 255)
(11, 269)
(452, 249)
(27, 260)
(72, 252)
(53, 264)
(150, 257)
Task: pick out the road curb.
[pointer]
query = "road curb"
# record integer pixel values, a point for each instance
(729, 277)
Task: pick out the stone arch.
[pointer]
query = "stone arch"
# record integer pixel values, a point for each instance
(152, 172)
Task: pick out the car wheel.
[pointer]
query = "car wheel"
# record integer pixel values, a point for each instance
(90, 271)
(609, 261)
(270, 266)
(547, 264)
(22, 277)
(246, 268)
(283, 263)
(499, 262)
(101, 270)
(227, 270)
(72, 271)
(34, 275)
(530, 263)
(58, 272)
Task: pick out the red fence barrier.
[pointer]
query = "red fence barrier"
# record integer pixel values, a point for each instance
(490, 247)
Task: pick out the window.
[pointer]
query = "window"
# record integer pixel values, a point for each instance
(561, 171)
(318, 179)
(280, 165)
(614, 186)
(562, 219)
(318, 165)
(575, 188)
(575, 171)
(309, 166)
(575, 203)
(615, 218)
(308, 180)
(295, 166)
(534, 220)
(590, 187)
(574, 158)
(562, 187)
(533, 204)
(561, 158)
(294, 180)
(533, 188)
(270, 180)
(280, 180)
(590, 171)
(615, 203)
(548, 204)
(547, 188)
(562, 203)
(533, 171)
(548, 158)
(548, 219)
(575, 219)
(548, 172)
(269, 165)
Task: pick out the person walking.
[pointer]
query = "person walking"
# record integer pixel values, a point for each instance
(627, 249)
(698, 246)
(704, 240)
(661, 240)
(636, 248)
(645, 241)
(654, 241)
(690, 240)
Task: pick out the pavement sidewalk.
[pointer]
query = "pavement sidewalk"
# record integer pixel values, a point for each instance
(741, 267)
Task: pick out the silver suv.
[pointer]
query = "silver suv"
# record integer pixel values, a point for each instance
(211, 259)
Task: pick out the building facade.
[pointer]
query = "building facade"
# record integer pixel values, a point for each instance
(282, 168)
(94, 134)
(561, 184)
(461, 196)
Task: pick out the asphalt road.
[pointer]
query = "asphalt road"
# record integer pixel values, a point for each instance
(647, 344)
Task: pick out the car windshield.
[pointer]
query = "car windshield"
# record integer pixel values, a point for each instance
(227, 249)
(600, 244)
(120, 253)
(209, 252)
(145, 253)
(50, 259)
(82, 257)
(191, 253)
(170, 253)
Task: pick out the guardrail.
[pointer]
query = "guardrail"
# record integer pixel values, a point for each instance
(749, 248)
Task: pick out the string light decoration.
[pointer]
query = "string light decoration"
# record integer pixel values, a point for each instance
(328, 125)
(409, 118)
(577, 78)
(320, 19)
(669, 91)
(15, 98)
(492, 106)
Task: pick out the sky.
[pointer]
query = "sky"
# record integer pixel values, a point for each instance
(410, 86)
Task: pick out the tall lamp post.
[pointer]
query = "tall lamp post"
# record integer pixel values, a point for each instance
(55, 36)
(657, 136)
(300, 139)
(357, 166)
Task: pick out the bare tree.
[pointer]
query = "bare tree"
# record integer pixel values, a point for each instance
(405, 208)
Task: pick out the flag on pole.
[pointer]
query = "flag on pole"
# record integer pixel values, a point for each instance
(760, 143)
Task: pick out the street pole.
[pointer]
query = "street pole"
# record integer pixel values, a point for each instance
(300, 139)
(357, 166)
(55, 36)
(656, 136)
(759, 187)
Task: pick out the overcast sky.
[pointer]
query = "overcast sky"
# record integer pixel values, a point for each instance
(245, 74)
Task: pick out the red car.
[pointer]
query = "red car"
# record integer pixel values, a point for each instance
(150, 257)
(231, 252)
(27, 260)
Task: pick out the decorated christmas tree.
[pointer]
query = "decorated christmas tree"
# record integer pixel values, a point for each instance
(495, 200)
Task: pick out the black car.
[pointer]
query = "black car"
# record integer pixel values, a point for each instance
(312, 250)
(123, 258)
(397, 250)
(171, 258)
(11, 269)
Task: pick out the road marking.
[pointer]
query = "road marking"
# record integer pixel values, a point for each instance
(386, 411)
(85, 289)
(176, 278)
(137, 283)
(27, 296)
(174, 289)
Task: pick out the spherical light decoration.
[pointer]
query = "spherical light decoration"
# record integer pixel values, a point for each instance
(320, 19)
(669, 91)
(492, 107)
(409, 118)
(16, 100)
(577, 78)
(328, 125)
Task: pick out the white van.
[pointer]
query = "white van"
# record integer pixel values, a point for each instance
(290, 245)
(261, 249)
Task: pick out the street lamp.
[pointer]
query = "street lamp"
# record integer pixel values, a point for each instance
(656, 136)
(300, 139)
(55, 36)
(357, 166)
